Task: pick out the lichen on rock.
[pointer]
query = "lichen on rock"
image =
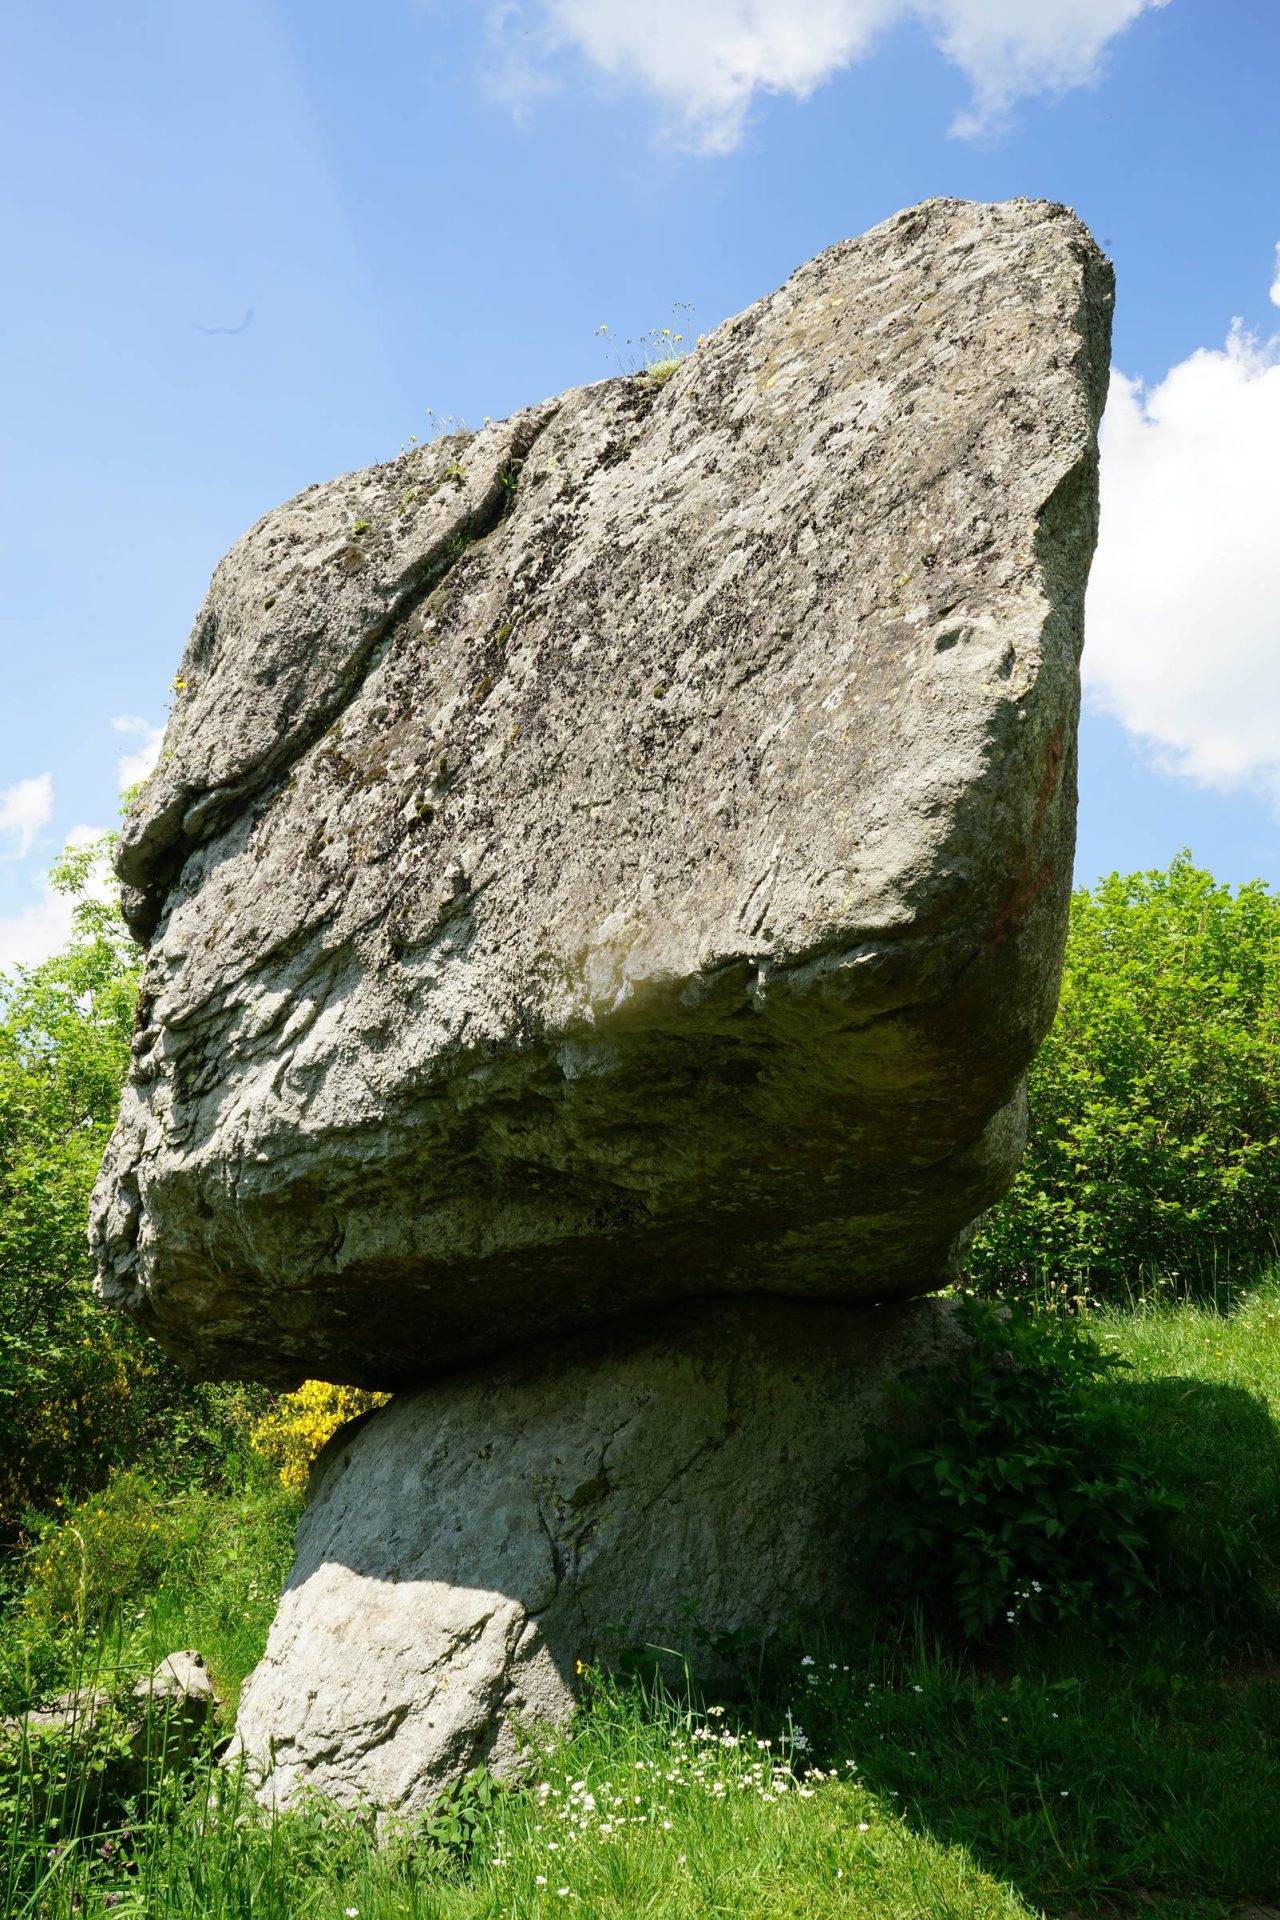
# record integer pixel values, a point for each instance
(624, 856)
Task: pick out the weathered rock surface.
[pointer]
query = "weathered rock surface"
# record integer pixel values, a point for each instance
(625, 855)
(466, 1546)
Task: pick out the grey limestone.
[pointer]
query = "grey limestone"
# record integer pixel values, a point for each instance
(623, 855)
(465, 1548)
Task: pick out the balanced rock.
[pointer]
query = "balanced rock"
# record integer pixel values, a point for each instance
(623, 854)
(465, 1548)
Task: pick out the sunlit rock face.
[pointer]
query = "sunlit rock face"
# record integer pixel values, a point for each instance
(623, 855)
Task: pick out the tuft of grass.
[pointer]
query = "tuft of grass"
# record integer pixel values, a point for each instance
(661, 371)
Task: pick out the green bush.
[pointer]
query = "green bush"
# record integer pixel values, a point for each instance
(1003, 1494)
(120, 1579)
(112, 1549)
(1154, 1144)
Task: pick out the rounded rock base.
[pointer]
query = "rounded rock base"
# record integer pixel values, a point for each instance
(466, 1547)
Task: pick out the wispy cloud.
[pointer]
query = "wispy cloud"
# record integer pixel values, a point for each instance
(518, 55)
(707, 61)
(135, 766)
(1009, 50)
(25, 808)
(40, 928)
(1183, 624)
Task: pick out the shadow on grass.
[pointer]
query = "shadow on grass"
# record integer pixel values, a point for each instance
(1101, 1778)
(1218, 1448)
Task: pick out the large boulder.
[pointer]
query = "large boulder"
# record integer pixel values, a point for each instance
(623, 854)
(466, 1548)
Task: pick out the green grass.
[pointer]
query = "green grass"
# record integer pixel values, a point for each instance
(658, 372)
(1056, 1776)
(1202, 1403)
(215, 1588)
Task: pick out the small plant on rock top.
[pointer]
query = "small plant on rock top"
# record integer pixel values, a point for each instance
(657, 354)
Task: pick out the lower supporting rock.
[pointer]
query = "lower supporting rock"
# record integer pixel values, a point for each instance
(464, 1549)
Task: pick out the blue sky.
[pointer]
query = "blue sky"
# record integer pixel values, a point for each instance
(432, 205)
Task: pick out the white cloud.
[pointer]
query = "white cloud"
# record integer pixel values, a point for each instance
(24, 809)
(39, 929)
(1275, 284)
(135, 766)
(1008, 49)
(516, 58)
(31, 935)
(707, 60)
(1183, 620)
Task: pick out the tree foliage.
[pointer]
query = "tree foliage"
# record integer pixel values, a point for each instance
(1155, 1102)
(80, 1391)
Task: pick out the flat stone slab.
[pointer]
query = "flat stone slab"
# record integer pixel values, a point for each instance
(463, 1549)
(623, 855)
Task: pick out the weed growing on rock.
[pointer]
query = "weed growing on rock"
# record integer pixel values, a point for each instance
(657, 354)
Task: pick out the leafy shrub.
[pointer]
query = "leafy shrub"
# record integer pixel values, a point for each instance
(460, 1816)
(292, 1432)
(121, 1579)
(113, 1547)
(1003, 1495)
(64, 1380)
(1155, 1101)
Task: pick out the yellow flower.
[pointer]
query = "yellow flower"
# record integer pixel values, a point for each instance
(292, 1434)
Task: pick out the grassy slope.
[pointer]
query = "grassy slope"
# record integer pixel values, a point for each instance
(1066, 1778)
